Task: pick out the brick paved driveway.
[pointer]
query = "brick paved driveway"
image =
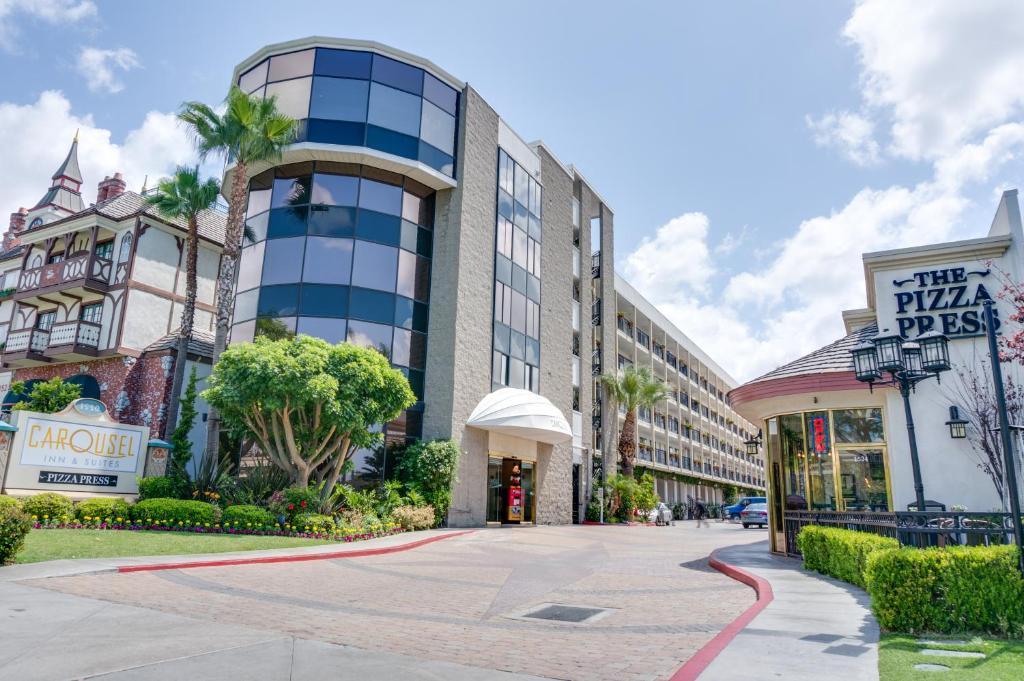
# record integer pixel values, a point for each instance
(459, 600)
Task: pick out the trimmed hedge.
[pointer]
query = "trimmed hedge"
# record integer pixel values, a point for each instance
(15, 524)
(174, 511)
(414, 517)
(315, 522)
(958, 589)
(839, 553)
(10, 502)
(101, 507)
(157, 487)
(47, 506)
(247, 516)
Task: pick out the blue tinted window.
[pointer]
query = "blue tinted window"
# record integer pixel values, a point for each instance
(392, 142)
(439, 93)
(394, 109)
(290, 191)
(282, 263)
(373, 306)
(419, 317)
(344, 63)
(250, 268)
(335, 190)
(287, 222)
(328, 260)
(333, 132)
(397, 74)
(245, 305)
(501, 337)
(339, 99)
(278, 301)
(320, 300)
(374, 266)
(403, 312)
(425, 243)
(437, 128)
(376, 336)
(437, 159)
(332, 221)
(331, 330)
(379, 227)
(258, 226)
(381, 197)
(409, 236)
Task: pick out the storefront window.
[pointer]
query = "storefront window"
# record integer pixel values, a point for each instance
(791, 444)
(862, 480)
(859, 426)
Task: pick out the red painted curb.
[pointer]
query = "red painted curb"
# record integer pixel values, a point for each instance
(703, 657)
(293, 558)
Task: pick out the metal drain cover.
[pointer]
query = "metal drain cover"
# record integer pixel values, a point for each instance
(565, 613)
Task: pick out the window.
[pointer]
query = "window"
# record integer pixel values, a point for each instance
(291, 65)
(105, 250)
(92, 313)
(327, 260)
(343, 63)
(339, 99)
(643, 340)
(292, 97)
(381, 197)
(393, 109)
(282, 263)
(374, 266)
(55, 258)
(45, 320)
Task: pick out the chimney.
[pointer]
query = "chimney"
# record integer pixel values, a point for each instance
(15, 229)
(110, 188)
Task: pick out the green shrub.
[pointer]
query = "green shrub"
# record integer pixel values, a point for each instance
(964, 588)
(10, 502)
(414, 517)
(429, 469)
(14, 525)
(315, 522)
(102, 507)
(840, 553)
(293, 501)
(174, 512)
(248, 516)
(48, 505)
(158, 487)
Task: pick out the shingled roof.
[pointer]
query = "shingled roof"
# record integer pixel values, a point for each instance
(200, 344)
(834, 357)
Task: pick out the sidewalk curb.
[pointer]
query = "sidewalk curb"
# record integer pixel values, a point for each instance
(360, 553)
(706, 655)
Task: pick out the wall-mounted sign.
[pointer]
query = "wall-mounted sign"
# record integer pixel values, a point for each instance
(87, 406)
(86, 479)
(817, 432)
(947, 300)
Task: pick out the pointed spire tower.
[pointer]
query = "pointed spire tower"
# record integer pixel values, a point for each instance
(64, 194)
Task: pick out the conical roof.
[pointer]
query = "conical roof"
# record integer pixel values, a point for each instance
(69, 168)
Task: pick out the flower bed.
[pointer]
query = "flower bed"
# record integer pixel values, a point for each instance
(346, 534)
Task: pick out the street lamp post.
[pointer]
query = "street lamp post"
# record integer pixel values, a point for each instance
(907, 364)
(1004, 431)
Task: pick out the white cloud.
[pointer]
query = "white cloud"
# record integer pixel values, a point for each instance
(677, 256)
(944, 74)
(35, 138)
(731, 241)
(943, 71)
(55, 12)
(853, 134)
(100, 67)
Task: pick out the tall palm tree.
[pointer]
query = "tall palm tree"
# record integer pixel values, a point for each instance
(249, 131)
(632, 388)
(184, 196)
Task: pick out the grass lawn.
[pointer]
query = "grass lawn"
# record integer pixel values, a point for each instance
(43, 545)
(898, 653)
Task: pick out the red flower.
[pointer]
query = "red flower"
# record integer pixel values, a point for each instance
(291, 507)
(303, 504)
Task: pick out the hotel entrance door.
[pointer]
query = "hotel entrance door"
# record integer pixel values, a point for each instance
(510, 491)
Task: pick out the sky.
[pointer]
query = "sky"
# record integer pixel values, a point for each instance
(750, 151)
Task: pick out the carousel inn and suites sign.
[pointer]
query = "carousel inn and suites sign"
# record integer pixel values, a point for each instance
(945, 300)
(79, 449)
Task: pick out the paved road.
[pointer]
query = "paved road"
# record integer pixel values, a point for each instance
(449, 610)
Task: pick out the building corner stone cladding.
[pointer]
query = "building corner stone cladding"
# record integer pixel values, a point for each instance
(134, 390)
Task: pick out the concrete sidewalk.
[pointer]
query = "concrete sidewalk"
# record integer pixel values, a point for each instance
(815, 628)
(81, 566)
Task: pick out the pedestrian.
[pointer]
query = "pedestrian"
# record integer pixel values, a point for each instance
(702, 514)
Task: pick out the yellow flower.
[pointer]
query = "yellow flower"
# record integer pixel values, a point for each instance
(88, 518)
(119, 519)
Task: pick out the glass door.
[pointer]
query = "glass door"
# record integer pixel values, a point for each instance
(495, 504)
(528, 492)
(862, 483)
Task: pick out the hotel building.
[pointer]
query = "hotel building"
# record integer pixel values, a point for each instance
(410, 217)
(834, 444)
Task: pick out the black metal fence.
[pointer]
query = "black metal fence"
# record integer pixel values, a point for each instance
(911, 528)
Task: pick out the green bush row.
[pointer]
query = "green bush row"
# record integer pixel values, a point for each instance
(840, 553)
(941, 590)
(175, 511)
(14, 525)
(951, 590)
(247, 516)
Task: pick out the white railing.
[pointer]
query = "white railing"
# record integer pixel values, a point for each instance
(17, 341)
(39, 340)
(77, 333)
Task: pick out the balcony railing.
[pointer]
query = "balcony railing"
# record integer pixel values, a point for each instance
(595, 265)
(75, 333)
(71, 270)
(27, 340)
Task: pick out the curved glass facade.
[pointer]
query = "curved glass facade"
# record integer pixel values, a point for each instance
(362, 99)
(342, 252)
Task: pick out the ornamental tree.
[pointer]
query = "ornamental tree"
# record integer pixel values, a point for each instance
(307, 404)
(47, 397)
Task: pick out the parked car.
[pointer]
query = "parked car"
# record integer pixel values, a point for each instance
(754, 514)
(660, 514)
(737, 508)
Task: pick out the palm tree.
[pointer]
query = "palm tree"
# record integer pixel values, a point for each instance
(632, 388)
(249, 131)
(184, 196)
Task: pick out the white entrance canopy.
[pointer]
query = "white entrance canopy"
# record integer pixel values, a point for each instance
(521, 413)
